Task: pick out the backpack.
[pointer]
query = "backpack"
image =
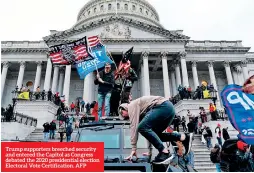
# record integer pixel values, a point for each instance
(214, 157)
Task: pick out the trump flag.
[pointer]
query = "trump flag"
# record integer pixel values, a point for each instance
(240, 110)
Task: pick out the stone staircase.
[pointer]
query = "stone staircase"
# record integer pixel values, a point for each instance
(37, 134)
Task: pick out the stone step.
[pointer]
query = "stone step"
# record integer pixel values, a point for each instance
(205, 169)
(203, 160)
(204, 164)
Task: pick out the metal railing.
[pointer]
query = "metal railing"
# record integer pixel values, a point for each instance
(20, 118)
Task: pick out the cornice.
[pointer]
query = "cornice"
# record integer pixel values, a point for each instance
(24, 50)
(217, 49)
(130, 22)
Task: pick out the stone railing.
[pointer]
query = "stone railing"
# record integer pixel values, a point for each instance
(23, 44)
(21, 118)
(208, 43)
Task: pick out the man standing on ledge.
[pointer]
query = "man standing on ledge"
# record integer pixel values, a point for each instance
(150, 116)
(105, 80)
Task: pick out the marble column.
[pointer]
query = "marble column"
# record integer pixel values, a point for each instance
(178, 74)
(61, 80)
(195, 74)
(37, 79)
(184, 69)
(165, 75)
(48, 75)
(245, 69)
(21, 74)
(67, 80)
(228, 72)
(146, 79)
(238, 69)
(173, 81)
(55, 79)
(212, 75)
(3, 76)
(88, 93)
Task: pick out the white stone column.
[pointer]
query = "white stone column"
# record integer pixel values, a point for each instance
(245, 69)
(173, 81)
(195, 74)
(3, 76)
(212, 75)
(184, 69)
(146, 74)
(21, 74)
(67, 80)
(165, 75)
(178, 75)
(88, 93)
(55, 79)
(239, 74)
(61, 81)
(228, 72)
(37, 79)
(48, 75)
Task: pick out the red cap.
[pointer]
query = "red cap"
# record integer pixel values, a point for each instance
(242, 146)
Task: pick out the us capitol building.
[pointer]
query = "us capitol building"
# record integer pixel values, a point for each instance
(163, 58)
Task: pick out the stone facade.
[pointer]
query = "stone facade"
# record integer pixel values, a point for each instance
(162, 58)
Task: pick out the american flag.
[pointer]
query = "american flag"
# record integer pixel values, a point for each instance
(69, 53)
(80, 52)
(57, 58)
(125, 64)
(94, 41)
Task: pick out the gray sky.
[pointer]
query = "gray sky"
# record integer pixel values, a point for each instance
(200, 19)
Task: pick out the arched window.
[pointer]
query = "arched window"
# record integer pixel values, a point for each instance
(126, 6)
(146, 12)
(109, 6)
(95, 9)
(133, 7)
(102, 7)
(89, 12)
(118, 6)
(141, 10)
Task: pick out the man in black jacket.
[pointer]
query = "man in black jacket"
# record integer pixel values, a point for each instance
(105, 80)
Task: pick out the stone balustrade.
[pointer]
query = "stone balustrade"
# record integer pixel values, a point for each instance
(209, 43)
(23, 44)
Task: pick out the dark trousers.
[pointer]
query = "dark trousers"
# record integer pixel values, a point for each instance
(184, 127)
(176, 128)
(155, 122)
(61, 137)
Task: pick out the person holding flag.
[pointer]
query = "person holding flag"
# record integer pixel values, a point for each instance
(105, 80)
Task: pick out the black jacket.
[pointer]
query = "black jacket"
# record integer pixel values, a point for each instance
(191, 127)
(46, 127)
(109, 80)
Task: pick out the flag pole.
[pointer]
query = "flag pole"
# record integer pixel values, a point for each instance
(112, 58)
(116, 7)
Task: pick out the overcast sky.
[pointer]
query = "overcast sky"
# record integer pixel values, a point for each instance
(200, 19)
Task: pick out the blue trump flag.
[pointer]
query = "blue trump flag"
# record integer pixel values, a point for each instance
(240, 110)
(100, 58)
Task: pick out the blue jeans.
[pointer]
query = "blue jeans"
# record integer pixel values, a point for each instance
(52, 134)
(190, 158)
(217, 167)
(45, 136)
(155, 122)
(209, 143)
(219, 141)
(104, 98)
(68, 138)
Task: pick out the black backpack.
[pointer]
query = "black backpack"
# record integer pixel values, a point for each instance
(214, 157)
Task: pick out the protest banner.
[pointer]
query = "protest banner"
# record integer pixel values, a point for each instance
(240, 110)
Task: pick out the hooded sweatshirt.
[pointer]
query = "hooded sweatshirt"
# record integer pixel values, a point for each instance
(136, 108)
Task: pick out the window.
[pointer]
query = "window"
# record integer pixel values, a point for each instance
(126, 6)
(102, 7)
(89, 12)
(146, 12)
(95, 9)
(118, 6)
(141, 10)
(109, 6)
(142, 142)
(133, 7)
(111, 138)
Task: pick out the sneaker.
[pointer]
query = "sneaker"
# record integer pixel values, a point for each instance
(187, 142)
(162, 158)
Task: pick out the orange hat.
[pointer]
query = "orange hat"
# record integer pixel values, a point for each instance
(241, 145)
